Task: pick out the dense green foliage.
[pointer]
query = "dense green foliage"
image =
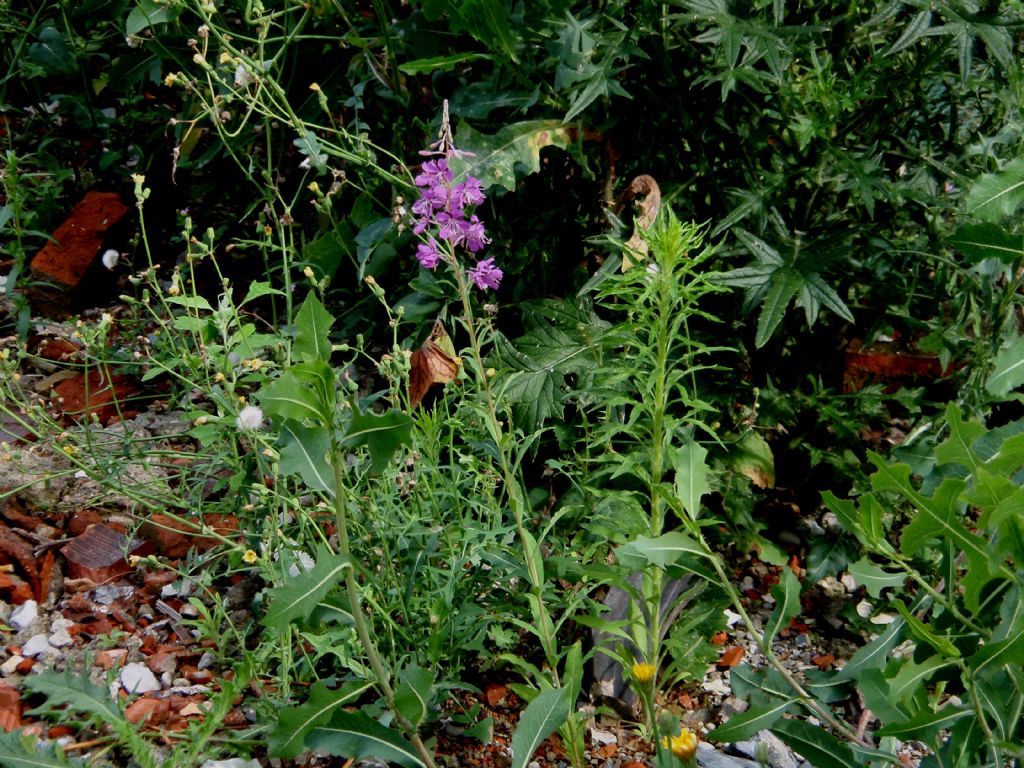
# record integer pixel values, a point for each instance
(633, 404)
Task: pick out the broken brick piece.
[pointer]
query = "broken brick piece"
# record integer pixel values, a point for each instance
(64, 261)
(153, 711)
(95, 393)
(99, 554)
(174, 538)
(10, 708)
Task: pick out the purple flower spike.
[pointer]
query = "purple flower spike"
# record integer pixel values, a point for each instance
(485, 275)
(428, 254)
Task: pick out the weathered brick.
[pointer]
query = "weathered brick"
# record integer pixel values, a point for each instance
(66, 260)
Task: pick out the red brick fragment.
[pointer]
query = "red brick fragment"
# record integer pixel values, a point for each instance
(99, 554)
(174, 539)
(109, 659)
(153, 711)
(77, 242)
(10, 708)
(95, 393)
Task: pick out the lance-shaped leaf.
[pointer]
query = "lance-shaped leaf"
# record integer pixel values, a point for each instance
(354, 734)
(926, 723)
(745, 724)
(538, 721)
(288, 739)
(312, 331)
(787, 604)
(817, 746)
(304, 451)
(304, 391)
(691, 479)
(382, 434)
(300, 595)
(413, 693)
(674, 548)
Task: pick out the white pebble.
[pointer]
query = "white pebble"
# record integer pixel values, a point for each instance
(10, 666)
(60, 638)
(35, 646)
(137, 678)
(25, 614)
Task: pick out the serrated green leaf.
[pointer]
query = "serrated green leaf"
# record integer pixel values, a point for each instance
(354, 734)
(293, 723)
(745, 724)
(299, 596)
(997, 196)
(382, 434)
(913, 32)
(17, 751)
(874, 654)
(309, 145)
(874, 578)
(816, 745)
(759, 686)
(924, 632)
(260, 288)
(312, 331)
(786, 283)
(559, 341)
(1007, 369)
(512, 152)
(987, 241)
(924, 723)
(76, 691)
(787, 604)
(304, 451)
(763, 252)
(910, 677)
(538, 721)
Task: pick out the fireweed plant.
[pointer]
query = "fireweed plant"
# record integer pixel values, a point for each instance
(443, 218)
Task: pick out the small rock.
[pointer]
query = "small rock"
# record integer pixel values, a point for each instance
(106, 594)
(601, 738)
(137, 678)
(234, 762)
(25, 614)
(802, 641)
(10, 666)
(61, 639)
(35, 646)
(206, 661)
(709, 757)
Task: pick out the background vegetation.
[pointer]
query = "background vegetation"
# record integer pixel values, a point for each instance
(839, 188)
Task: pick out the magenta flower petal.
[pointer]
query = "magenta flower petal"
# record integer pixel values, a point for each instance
(486, 275)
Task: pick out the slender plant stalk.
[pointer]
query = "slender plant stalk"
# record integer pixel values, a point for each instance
(362, 629)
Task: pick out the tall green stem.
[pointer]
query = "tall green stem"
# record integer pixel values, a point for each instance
(355, 605)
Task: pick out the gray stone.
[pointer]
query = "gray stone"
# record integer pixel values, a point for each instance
(25, 614)
(36, 646)
(768, 747)
(137, 678)
(709, 757)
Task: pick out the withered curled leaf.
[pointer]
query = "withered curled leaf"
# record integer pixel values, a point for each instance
(433, 363)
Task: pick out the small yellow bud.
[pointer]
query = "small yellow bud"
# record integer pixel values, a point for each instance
(491, 373)
(250, 557)
(219, 377)
(171, 79)
(268, 230)
(315, 87)
(643, 672)
(313, 187)
(683, 746)
(225, 57)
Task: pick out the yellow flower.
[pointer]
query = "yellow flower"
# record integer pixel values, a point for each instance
(683, 746)
(171, 79)
(643, 672)
(250, 557)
